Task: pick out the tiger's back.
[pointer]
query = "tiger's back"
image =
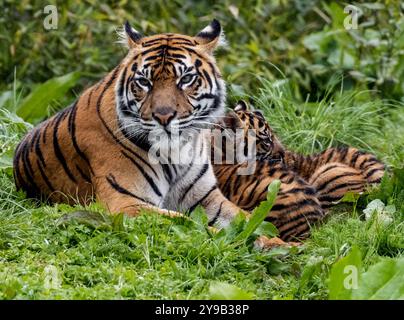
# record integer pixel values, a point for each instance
(49, 163)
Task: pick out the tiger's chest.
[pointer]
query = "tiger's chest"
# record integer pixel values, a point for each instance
(181, 178)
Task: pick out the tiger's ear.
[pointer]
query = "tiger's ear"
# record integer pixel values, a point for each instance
(210, 37)
(129, 36)
(241, 106)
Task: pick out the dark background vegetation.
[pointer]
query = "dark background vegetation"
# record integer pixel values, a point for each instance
(303, 41)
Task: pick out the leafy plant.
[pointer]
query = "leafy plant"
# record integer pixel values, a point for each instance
(383, 280)
(35, 106)
(340, 285)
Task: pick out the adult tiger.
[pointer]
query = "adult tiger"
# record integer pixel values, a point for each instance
(102, 145)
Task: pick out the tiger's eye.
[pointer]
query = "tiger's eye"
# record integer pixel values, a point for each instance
(187, 78)
(143, 81)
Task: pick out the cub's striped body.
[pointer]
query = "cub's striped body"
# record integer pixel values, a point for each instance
(101, 145)
(310, 184)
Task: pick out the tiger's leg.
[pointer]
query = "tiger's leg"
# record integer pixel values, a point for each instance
(366, 163)
(333, 180)
(118, 198)
(371, 168)
(296, 207)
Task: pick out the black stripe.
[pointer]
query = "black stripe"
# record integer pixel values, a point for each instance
(344, 185)
(260, 196)
(217, 215)
(370, 163)
(292, 206)
(58, 151)
(145, 163)
(38, 150)
(35, 134)
(163, 47)
(167, 172)
(45, 177)
(72, 130)
(192, 208)
(230, 175)
(344, 151)
(329, 198)
(330, 155)
(355, 158)
(145, 175)
(89, 97)
(326, 183)
(305, 190)
(292, 233)
(207, 76)
(45, 131)
(324, 171)
(27, 171)
(178, 56)
(251, 194)
(27, 161)
(305, 220)
(154, 41)
(192, 184)
(85, 177)
(114, 184)
(20, 182)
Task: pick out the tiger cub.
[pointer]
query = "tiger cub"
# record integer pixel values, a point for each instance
(310, 184)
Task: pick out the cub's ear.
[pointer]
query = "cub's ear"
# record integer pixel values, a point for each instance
(241, 106)
(129, 36)
(210, 37)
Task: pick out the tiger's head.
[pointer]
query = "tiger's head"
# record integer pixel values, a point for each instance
(255, 126)
(169, 83)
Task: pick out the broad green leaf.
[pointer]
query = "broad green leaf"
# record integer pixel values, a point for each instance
(344, 275)
(261, 212)
(35, 106)
(267, 229)
(225, 291)
(383, 281)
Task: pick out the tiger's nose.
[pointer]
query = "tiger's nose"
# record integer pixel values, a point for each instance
(164, 115)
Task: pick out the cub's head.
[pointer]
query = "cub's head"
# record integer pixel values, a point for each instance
(169, 82)
(254, 126)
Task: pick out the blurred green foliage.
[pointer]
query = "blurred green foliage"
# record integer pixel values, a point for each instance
(303, 41)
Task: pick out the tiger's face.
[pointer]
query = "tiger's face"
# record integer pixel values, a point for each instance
(169, 83)
(255, 126)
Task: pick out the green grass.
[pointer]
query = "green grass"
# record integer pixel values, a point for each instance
(153, 257)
